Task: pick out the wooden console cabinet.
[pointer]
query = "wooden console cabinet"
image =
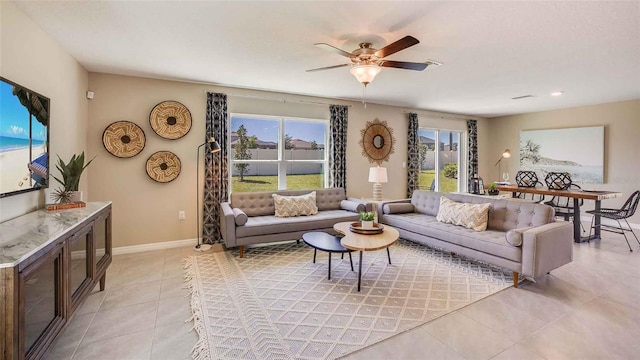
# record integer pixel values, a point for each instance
(49, 263)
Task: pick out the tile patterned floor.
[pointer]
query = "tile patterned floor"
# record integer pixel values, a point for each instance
(588, 309)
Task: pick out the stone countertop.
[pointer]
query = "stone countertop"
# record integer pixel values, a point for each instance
(25, 235)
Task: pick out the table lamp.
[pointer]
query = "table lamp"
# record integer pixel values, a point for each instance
(377, 175)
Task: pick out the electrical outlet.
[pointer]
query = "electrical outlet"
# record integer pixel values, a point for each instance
(181, 215)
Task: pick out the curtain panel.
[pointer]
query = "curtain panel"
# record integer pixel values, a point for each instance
(413, 162)
(338, 146)
(216, 170)
(472, 128)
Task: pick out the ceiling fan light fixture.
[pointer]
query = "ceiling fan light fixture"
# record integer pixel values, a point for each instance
(365, 73)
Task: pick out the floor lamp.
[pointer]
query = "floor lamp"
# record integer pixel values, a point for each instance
(505, 155)
(214, 147)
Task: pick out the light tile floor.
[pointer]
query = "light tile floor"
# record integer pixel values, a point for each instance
(588, 309)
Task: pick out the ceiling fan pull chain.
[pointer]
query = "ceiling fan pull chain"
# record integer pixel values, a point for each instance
(364, 96)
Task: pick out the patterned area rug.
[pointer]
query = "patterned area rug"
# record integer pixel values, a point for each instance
(276, 304)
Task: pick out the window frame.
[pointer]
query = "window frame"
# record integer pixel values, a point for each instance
(281, 162)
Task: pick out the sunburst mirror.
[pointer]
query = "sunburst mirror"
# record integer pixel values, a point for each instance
(377, 141)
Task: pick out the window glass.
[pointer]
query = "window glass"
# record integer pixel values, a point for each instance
(439, 170)
(271, 153)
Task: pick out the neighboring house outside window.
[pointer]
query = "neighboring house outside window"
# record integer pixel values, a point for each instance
(269, 153)
(439, 165)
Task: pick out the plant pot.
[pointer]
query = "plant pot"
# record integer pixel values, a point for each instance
(367, 224)
(493, 192)
(75, 196)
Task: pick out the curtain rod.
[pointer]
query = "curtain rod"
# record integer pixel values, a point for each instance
(441, 116)
(284, 100)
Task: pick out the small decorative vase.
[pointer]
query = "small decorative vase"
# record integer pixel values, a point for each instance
(493, 192)
(367, 224)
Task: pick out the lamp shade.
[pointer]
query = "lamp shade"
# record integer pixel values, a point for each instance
(365, 73)
(378, 174)
(214, 147)
(506, 153)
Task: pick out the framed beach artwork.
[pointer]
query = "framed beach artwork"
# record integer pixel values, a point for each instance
(24, 139)
(577, 151)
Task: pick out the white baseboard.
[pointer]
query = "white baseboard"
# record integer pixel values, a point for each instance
(153, 246)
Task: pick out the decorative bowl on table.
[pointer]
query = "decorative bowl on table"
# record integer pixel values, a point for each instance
(357, 228)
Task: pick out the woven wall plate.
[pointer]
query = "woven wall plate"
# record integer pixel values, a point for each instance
(170, 119)
(163, 166)
(123, 139)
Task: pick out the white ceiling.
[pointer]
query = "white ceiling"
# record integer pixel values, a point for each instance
(492, 51)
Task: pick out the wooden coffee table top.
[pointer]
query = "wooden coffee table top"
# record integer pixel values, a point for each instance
(360, 242)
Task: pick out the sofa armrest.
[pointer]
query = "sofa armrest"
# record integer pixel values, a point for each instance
(227, 224)
(355, 205)
(546, 247)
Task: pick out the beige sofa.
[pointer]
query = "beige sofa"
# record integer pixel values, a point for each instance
(546, 244)
(249, 218)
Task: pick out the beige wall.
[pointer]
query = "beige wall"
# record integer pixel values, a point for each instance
(622, 142)
(146, 211)
(31, 58)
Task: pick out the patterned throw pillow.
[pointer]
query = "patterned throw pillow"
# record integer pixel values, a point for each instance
(471, 216)
(287, 206)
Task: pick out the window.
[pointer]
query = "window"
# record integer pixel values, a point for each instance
(439, 164)
(276, 153)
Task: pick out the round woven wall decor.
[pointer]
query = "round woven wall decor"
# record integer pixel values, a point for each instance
(377, 141)
(163, 166)
(123, 139)
(170, 119)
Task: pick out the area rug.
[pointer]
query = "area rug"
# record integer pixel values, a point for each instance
(276, 304)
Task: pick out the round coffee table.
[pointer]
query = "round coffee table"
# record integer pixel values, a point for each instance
(362, 243)
(325, 242)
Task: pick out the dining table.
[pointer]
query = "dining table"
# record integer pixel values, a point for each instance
(576, 195)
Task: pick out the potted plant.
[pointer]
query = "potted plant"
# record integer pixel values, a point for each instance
(71, 173)
(492, 189)
(366, 220)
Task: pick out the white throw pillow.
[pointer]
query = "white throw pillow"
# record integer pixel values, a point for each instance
(471, 216)
(287, 206)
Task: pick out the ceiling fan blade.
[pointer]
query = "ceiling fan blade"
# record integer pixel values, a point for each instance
(403, 65)
(393, 48)
(328, 67)
(334, 49)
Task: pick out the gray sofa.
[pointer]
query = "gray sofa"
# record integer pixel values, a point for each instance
(546, 244)
(262, 226)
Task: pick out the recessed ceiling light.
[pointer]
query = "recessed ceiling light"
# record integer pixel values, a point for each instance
(557, 93)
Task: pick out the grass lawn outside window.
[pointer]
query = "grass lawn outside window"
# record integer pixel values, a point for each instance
(446, 184)
(270, 183)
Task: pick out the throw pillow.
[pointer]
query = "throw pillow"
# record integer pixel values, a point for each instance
(400, 208)
(287, 206)
(514, 236)
(471, 216)
(239, 216)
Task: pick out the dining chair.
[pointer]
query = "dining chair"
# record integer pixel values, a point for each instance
(528, 179)
(626, 211)
(562, 204)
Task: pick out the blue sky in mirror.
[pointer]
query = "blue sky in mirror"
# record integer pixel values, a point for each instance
(14, 122)
(266, 129)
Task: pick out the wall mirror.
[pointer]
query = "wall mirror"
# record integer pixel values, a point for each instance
(377, 141)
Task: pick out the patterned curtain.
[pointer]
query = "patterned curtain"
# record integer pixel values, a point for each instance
(338, 146)
(413, 162)
(216, 170)
(472, 127)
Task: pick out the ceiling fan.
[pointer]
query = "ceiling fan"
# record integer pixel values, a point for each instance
(366, 61)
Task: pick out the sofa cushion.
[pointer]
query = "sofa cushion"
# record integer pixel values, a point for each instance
(239, 217)
(269, 224)
(353, 206)
(471, 216)
(397, 208)
(286, 206)
(489, 241)
(514, 236)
